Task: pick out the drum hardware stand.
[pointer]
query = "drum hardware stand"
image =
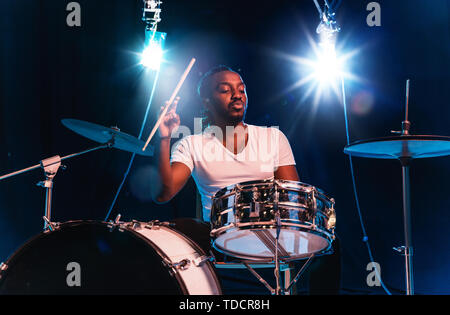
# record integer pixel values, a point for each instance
(52, 226)
(272, 290)
(278, 290)
(401, 148)
(51, 167)
(405, 160)
(300, 272)
(407, 250)
(278, 231)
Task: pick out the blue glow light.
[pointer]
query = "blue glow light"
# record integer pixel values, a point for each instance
(328, 66)
(153, 53)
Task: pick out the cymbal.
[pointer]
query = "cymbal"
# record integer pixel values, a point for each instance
(98, 133)
(404, 146)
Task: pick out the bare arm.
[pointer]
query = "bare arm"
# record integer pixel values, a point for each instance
(288, 172)
(171, 178)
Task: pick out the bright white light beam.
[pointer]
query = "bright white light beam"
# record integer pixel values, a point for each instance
(153, 53)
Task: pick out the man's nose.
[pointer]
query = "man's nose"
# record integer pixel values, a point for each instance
(237, 95)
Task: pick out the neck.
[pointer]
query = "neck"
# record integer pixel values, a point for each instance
(223, 125)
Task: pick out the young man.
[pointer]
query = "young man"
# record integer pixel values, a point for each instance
(229, 151)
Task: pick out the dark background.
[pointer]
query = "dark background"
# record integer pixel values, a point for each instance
(50, 71)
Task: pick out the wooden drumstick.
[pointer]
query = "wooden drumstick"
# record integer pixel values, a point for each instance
(172, 98)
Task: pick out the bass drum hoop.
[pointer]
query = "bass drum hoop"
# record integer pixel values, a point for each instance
(191, 243)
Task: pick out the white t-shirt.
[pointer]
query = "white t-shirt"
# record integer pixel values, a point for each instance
(215, 167)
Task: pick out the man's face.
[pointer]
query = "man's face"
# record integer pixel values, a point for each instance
(228, 99)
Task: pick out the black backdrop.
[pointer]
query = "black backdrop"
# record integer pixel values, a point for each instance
(50, 71)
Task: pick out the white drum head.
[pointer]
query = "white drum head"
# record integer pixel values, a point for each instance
(260, 243)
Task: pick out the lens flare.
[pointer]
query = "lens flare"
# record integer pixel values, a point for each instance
(152, 56)
(320, 71)
(328, 67)
(153, 53)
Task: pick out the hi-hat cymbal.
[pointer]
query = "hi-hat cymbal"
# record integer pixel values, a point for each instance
(404, 146)
(103, 135)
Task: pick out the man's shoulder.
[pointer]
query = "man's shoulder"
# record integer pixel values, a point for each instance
(272, 129)
(190, 138)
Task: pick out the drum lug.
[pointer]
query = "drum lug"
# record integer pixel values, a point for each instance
(3, 268)
(331, 221)
(113, 224)
(255, 205)
(331, 216)
(201, 260)
(155, 225)
(186, 263)
(135, 225)
(51, 226)
(181, 265)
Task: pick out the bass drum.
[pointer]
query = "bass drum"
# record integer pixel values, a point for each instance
(92, 257)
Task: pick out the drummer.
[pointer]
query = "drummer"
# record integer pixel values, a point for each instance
(229, 151)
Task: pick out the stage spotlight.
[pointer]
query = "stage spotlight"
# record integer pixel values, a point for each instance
(328, 67)
(152, 56)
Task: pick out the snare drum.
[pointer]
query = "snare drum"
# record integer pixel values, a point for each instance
(243, 220)
(91, 257)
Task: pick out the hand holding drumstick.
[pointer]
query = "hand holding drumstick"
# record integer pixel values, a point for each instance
(171, 120)
(172, 98)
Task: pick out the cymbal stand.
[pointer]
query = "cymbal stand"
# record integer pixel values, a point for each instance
(278, 290)
(51, 167)
(407, 250)
(405, 161)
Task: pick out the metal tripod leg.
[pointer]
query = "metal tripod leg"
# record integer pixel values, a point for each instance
(407, 250)
(300, 272)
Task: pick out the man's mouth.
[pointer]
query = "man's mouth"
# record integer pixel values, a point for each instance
(237, 106)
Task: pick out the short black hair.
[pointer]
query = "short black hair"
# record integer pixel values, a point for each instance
(203, 83)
